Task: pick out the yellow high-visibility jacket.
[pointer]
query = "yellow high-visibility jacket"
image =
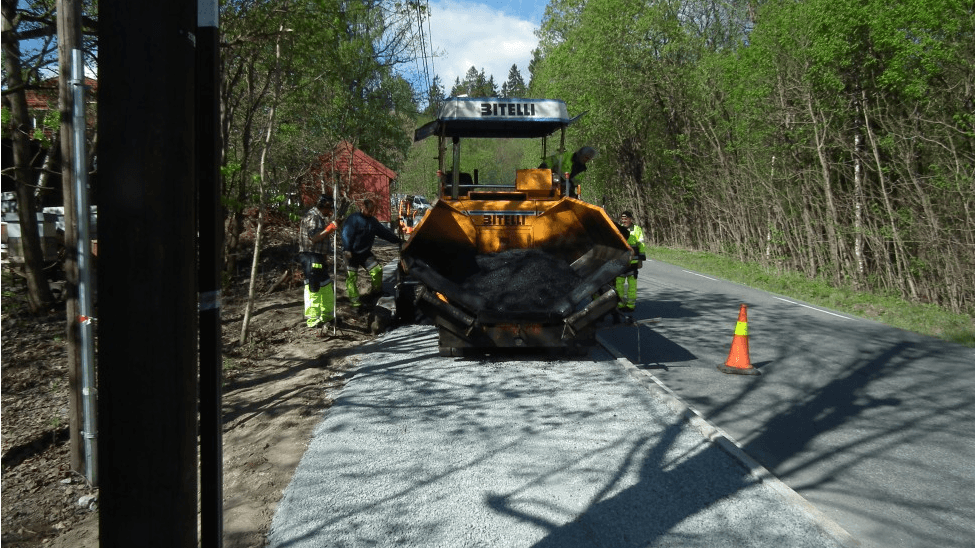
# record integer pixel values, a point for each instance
(636, 242)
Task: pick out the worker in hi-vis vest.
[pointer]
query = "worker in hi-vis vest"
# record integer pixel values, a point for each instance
(573, 163)
(313, 245)
(406, 213)
(626, 284)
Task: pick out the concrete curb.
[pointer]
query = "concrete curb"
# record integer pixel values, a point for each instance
(721, 438)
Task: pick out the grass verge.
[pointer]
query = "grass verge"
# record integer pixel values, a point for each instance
(926, 319)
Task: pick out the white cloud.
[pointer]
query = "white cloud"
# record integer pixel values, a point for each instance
(466, 34)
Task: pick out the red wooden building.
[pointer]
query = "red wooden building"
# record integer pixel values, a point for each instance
(45, 98)
(358, 175)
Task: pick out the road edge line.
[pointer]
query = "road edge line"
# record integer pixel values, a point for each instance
(728, 444)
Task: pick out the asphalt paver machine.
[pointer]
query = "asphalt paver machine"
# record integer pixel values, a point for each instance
(508, 266)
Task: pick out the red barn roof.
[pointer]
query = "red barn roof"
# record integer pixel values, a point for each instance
(45, 96)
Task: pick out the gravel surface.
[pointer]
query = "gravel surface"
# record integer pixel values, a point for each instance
(418, 450)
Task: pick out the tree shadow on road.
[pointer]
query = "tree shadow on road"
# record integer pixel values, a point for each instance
(844, 413)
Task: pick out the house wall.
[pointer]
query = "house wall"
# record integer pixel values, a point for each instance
(376, 186)
(370, 179)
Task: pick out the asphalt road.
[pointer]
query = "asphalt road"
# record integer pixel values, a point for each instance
(420, 450)
(873, 425)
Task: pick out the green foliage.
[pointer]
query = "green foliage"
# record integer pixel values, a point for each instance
(475, 84)
(302, 77)
(227, 170)
(232, 204)
(51, 123)
(419, 172)
(13, 301)
(716, 123)
(52, 120)
(435, 97)
(514, 86)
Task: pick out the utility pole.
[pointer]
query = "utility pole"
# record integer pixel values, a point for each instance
(69, 39)
(147, 277)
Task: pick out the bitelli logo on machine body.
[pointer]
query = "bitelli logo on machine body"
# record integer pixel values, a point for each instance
(507, 218)
(508, 109)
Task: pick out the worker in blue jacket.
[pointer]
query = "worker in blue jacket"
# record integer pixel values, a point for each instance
(358, 234)
(626, 284)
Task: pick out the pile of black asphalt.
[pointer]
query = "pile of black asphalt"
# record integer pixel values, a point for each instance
(522, 280)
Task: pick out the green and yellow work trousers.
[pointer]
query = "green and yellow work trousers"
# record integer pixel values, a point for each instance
(375, 270)
(319, 293)
(626, 289)
(319, 305)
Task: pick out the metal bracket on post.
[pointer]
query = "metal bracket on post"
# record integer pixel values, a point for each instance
(455, 171)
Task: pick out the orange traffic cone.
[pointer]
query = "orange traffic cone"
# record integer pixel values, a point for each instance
(738, 362)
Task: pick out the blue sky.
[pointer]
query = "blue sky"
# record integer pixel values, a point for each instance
(487, 34)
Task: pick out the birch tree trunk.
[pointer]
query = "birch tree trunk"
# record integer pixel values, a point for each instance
(903, 276)
(858, 210)
(69, 38)
(47, 169)
(830, 221)
(258, 233)
(236, 227)
(768, 220)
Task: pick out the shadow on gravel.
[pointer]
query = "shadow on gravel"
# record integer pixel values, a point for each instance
(516, 451)
(641, 514)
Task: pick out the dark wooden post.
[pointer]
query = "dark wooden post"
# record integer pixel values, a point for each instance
(147, 278)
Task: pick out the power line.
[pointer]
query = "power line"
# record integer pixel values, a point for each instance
(430, 34)
(427, 80)
(423, 45)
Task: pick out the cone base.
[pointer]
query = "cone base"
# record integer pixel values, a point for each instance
(739, 370)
